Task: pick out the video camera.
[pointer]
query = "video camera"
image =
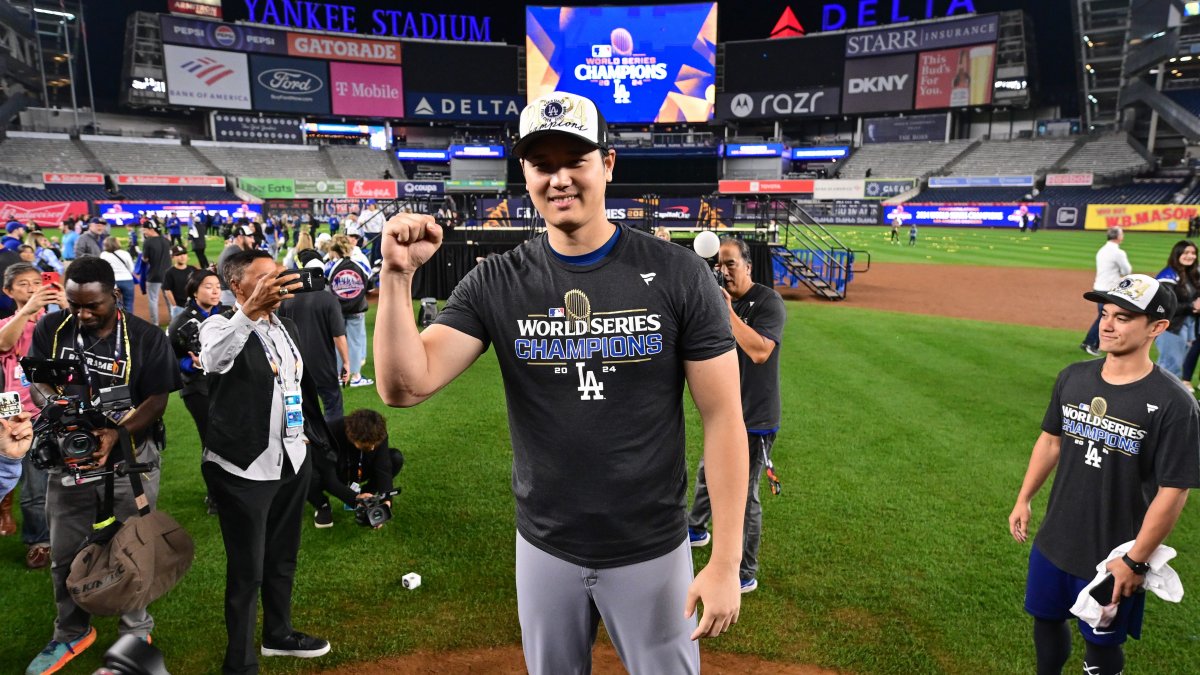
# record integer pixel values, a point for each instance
(129, 655)
(65, 432)
(374, 511)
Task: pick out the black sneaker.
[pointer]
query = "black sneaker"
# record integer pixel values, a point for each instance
(211, 506)
(299, 645)
(323, 518)
(1090, 349)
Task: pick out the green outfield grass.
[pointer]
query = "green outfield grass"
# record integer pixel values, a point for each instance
(903, 444)
(1059, 249)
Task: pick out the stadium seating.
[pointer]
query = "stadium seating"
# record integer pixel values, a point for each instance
(53, 193)
(146, 156)
(902, 160)
(265, 161)
(32, 153)
(1146, 192)
(1110, 156)
(1012, 158)
(359, 162)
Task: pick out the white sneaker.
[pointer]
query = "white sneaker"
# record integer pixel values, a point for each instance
(361, 381)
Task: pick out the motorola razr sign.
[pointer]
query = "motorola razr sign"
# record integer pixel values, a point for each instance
(289, 85)
(799, 102)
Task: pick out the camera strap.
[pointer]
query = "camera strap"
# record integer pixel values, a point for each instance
(106, 516)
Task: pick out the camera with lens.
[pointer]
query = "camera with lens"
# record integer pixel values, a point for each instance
(187, 335)
(65, 432)
(129, 655)
(374, 511)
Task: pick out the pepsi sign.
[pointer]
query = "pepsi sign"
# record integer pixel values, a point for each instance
(289, 85)
(197, 33)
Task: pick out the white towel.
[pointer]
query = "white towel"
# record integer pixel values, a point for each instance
(1160, 580)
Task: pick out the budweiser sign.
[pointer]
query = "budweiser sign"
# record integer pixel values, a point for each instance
(73, 178)
(193, 181)
(371, 189)
(46, 214)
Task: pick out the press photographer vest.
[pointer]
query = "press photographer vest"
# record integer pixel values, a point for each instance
(239, 404)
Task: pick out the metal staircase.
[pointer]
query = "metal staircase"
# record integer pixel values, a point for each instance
(811, 255)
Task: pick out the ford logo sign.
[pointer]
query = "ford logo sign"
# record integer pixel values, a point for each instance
(290, 81)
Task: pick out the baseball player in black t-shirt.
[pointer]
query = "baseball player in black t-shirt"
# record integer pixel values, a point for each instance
(1123, 439)
(595, 328)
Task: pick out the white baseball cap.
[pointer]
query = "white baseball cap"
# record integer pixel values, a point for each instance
(562, 113)
(1141, 294)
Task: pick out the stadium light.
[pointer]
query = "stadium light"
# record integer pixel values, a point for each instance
(66, 15)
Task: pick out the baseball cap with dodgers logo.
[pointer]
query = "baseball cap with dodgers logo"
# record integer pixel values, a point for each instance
(562, 113)
(1141, 294)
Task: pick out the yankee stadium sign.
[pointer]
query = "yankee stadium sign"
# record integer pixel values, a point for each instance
(345, 19)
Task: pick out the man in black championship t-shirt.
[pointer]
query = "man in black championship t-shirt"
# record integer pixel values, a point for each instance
(116, 349)
(596, 327)
(757, 315)
(1123, 439)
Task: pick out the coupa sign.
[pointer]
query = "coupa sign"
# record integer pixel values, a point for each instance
(862, 13)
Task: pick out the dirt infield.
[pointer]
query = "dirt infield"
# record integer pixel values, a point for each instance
(509, 660)
(1020, 295)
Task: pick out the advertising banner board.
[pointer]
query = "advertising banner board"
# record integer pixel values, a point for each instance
(964, 215)
(1141, 217)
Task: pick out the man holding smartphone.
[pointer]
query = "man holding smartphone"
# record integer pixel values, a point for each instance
(1123, 438)
(259, 475)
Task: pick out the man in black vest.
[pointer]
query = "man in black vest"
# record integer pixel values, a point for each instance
(259, 474)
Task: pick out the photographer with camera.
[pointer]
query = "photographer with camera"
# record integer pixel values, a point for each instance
(121, 357)
(203, 292)
(259, 474)
(757, 315)
(23, 284)
(364, 468)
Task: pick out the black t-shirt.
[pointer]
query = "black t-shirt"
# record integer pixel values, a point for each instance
(318, 317)
(148, 365)
(157, 252)
(592, 358)
(176, 282)
(349, 284)
(762, 309)
(1120, 443)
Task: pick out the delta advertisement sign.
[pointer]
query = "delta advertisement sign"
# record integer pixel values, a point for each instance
(46, 214)
(1140, 217)
(671, 212)
(124, 213)
(963, 215)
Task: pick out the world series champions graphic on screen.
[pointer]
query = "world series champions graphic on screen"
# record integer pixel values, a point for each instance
(652, 63)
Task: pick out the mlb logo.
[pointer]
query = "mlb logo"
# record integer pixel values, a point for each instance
(601, 51)
(556, 312)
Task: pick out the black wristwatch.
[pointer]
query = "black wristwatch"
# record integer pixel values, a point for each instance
(1139, 568)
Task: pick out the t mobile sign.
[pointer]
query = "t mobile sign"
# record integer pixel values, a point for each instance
(879, 84)
(366, 90)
